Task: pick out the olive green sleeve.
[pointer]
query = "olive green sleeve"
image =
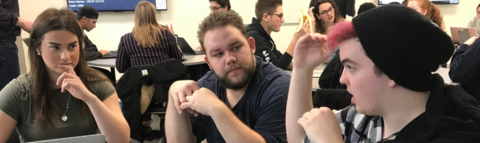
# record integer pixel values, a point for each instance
(102, 89)
(10, 99)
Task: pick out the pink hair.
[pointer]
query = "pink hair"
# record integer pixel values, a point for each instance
(339, 33)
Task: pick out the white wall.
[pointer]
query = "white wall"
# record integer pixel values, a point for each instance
(187, 14)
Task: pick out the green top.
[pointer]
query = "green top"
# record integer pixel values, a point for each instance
(16, 101)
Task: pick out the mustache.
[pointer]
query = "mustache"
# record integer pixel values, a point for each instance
(229, 68)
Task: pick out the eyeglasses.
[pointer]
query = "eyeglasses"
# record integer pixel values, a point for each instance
(279, 15)
(323, 13)
(214, 8)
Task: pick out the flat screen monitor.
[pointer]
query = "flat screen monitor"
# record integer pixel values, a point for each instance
(384, 2)
(114, 5)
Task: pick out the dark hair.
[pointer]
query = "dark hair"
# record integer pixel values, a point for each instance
(405, 2)
(478, 6)
(222, 3)
(266, 6)
(366, 6)
(394, 2)
(220, 19)
(41, 90)
(319, 24)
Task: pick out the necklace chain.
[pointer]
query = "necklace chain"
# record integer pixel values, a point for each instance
(64, 117)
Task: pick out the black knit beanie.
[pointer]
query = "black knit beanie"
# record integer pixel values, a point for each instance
(403, 44)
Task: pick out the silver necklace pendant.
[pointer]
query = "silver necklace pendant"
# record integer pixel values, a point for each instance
(64, 118)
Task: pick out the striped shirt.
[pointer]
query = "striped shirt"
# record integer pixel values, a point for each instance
(130, 54)
(359, 128)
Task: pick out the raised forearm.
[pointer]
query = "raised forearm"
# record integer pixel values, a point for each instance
(299, 101)
(232, 129)
(113, 126)
(178, 127)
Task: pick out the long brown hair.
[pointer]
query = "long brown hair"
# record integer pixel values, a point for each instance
(433, 12)
(320, 26)
(146, 28)
(41, 84)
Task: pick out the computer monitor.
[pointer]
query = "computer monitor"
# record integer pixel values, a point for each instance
(114, 5)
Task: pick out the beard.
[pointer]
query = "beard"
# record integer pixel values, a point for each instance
(248, 70)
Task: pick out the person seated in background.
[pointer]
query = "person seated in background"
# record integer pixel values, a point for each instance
(269, 19)
(366, 6)
(61, 96)
(326, 14)
(429, 10)
(242, 99)
(396, 98)
(149, 43)
(465, 66)
(219, 5)
(346, 7)
(475, 22)
(87, 18)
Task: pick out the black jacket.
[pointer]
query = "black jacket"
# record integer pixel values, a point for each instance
(465, 68)
(91, 51)
(346, 7)
(451, 115)
(129, 90)
(330, 78)
(9, 13)
(265, 47)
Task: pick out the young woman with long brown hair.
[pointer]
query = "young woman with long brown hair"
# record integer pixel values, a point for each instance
(326, 14)
(148, 43)
(61, 96)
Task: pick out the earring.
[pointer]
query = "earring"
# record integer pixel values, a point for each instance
(38, 54)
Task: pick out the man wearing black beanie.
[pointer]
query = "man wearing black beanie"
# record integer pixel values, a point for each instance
(389, 54)
(87, 18)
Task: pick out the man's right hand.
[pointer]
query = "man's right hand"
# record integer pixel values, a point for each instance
(309, 51)
(25, 24)
(104, 52)
(200, 48)
(180, 90)
(471, 40)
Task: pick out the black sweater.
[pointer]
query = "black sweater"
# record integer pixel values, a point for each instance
(265, 47)
(451, 115)
(91, 51)
(9, 13)
(346, 7)
(465, 68)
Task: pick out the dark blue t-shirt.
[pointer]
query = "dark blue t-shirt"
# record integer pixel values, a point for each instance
(262, 107)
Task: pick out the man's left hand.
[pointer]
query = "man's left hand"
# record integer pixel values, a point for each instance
(321, 125)
(203, 101)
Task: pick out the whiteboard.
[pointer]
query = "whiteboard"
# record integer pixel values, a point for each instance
(291, 9)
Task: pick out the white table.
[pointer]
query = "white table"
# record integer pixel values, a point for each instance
(316, 72)
(316, 76)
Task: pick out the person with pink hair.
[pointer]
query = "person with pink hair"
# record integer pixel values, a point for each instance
(388, 69)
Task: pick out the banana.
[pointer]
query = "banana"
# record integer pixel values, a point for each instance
(304, 18)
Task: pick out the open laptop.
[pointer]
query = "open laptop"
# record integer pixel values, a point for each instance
(455, 37)
(186, 49)
(463, 35)
(113, 54)
(97, 138)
